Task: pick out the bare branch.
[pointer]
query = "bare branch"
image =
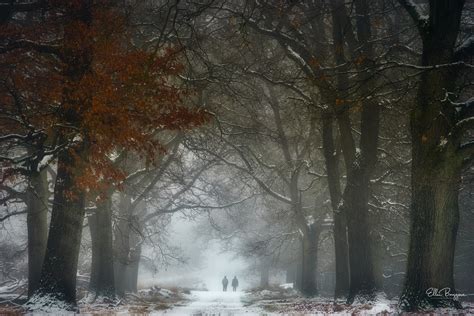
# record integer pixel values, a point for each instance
(31, 45)
(7, 216)
(416, 14)
(466, 50)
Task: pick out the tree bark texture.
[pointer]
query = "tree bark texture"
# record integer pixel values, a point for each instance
(436, 166)
(309, 261)
(102, 281)
(58, 275)
(357, 192)
(339, 217)
(127, 248)
(37, 223)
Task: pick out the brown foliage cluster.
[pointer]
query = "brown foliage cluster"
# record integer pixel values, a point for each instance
(121, 98)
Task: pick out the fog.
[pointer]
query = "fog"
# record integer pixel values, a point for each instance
(205, 264)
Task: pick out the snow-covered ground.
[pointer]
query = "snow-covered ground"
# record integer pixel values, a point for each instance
(207, 303)
(277, 300)
(272, 303)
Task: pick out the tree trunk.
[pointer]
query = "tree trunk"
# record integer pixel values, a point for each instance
(362, 280)
(102, 268)
(120, 273)
(341, 255)
(265, 265)
(133, 268)
(37, 223)
(264, 277)
(127, 248)
(356, 199)
(122, 244)
(342, 33)
(290, 275)
(309, 261)
(127, 281)
(436, 168)
(435, 218)
(58, 275)
(362, 272)
(299, 269)
(340, 224)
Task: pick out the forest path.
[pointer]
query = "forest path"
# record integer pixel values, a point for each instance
(207, 303)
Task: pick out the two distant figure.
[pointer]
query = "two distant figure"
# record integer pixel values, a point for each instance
(225, 282)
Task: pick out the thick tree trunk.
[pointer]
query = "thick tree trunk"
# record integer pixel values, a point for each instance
(127, 280)
(356, 195)
(340, 224)
(353, 212)
(356, 200)
(37, 223)
(120, 273)
(436, 168)
(341, 255)
(342, 33)
(362, 280)
(122, 244)
(435, 218)
(309, 261)
(58, 275)
(127, 248)
(102, 281)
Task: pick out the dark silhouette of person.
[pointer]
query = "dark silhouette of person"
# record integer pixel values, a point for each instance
(224, 283)
(235, 283)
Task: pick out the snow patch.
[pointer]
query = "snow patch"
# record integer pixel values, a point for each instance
(286, 286)
(49, 305)
(47, 159)
(443, 142)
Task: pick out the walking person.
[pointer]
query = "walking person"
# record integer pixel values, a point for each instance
(235, 283)
(224, 283)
